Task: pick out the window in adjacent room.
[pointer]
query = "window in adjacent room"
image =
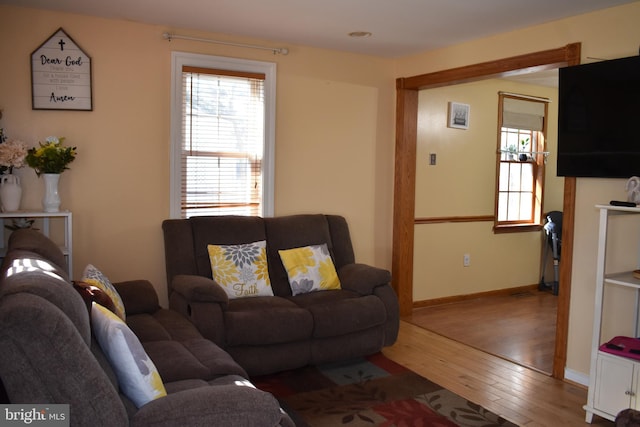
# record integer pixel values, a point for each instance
(222, 136)
(520, 162)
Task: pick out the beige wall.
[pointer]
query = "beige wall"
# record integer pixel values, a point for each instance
(334, 135)
(462, 183)
(609, 34)
(334, 132)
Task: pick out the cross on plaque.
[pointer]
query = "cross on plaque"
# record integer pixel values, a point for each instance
(61, 43)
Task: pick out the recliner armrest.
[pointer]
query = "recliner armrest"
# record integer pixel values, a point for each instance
(138, 296)
(363, 278)
(226, 405)
(199, 289)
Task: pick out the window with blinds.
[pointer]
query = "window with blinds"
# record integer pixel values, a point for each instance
(520, 161)
(222, 145)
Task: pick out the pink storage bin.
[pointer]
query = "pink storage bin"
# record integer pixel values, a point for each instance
(623, 346)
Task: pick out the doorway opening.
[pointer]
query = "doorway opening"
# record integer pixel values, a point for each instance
(405, 175)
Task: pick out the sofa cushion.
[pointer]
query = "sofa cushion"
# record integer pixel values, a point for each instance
(39, 346)
(342, 249)
(174, 362)
(242, 269)
(309, 269)
(177, 348)
(266, 320)
(147, 328)
(341, 312)
(137, 375)
(178, 386)
(198, 358)
(95, 277)
(18, 260)
(346, 347)
(231, 379)
(23, 277)
(267, 359)
(164, 324)
(27, 239)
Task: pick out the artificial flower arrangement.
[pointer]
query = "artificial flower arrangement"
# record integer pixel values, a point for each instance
(12, 153)
(51, 157)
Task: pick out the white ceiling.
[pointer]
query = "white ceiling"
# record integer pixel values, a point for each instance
(399, 27)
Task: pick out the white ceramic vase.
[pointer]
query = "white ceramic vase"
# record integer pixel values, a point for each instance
(51, 199)
(10, 193)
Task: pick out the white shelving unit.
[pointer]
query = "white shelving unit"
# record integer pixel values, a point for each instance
(614, 381)
(66, 245)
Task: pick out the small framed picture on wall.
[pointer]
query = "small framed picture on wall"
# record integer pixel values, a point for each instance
(459, 115)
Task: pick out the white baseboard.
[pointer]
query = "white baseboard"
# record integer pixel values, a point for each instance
(576, 377)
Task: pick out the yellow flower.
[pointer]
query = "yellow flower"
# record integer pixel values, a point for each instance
(51, 157)
(305, 259)
(262, 268)
(329, 276)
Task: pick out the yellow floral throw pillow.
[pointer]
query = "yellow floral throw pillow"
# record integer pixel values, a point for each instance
(137, 376)
(309, 268)
(241, 270)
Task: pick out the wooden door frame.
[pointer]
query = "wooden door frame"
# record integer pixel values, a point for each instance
(407, 89)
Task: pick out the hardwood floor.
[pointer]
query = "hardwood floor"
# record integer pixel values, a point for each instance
(521, 395)
(520, 327)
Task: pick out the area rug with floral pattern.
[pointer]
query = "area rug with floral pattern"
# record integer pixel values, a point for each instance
(372, 391)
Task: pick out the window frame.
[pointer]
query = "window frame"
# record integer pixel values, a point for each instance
(539, 171)
(181, 59)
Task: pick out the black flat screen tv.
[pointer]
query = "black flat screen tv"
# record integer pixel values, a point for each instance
(599, 119)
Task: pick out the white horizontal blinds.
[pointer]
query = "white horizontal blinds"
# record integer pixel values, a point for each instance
(523, 114)
(223, 142)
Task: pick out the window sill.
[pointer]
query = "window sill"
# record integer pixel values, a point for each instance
(516, 228)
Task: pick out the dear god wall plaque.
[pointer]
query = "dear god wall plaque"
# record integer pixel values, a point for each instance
(61, 75)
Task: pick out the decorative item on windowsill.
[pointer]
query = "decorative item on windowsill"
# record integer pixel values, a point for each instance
(523, 156)
(49, 160)
(12, 155)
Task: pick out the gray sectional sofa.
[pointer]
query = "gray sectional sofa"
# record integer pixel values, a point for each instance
(205, 346)
(49, 354)
(265, 334)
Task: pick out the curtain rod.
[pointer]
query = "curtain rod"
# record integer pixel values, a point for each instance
(275, 50)
(534, 98)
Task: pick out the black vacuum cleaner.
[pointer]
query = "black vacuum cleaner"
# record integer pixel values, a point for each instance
(553, 242)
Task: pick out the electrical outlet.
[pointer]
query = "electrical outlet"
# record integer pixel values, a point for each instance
(466, 260)
(432, 159)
